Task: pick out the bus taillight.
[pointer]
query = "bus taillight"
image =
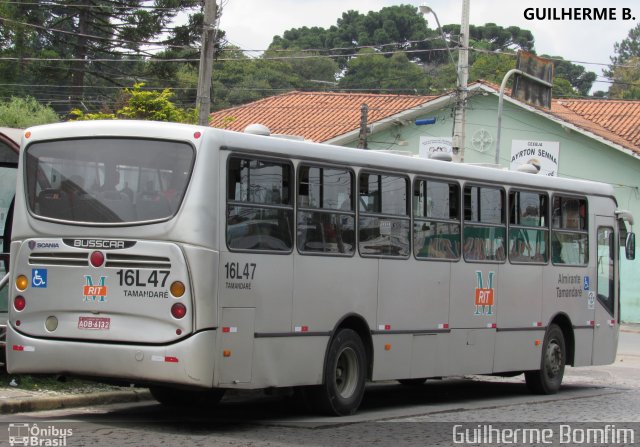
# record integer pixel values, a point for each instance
(178, 310)
(22, 283)
(19, 303)
(96, 259)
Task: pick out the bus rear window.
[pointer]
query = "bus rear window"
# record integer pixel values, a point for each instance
(107, 180)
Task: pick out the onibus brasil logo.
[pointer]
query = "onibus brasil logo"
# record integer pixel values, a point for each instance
(484, 295)
(32, 435)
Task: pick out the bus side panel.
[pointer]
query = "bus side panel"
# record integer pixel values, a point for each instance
(520, 311)
(326, 288)
(472, 340)
(235, 355)
(564, 294)
(413, 296)
(288, 361)
(517, 350)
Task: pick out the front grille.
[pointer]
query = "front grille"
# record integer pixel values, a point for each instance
(137, 261)
(76, 259)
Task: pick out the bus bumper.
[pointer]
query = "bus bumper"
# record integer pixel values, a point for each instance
(180, 363)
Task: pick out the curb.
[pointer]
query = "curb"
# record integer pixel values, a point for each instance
(44, 403)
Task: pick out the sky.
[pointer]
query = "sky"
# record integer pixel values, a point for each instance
(251, 24)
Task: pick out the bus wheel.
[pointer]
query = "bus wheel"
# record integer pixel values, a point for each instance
(548, 378)
(412, 382)
(174, 397)
(344, 376)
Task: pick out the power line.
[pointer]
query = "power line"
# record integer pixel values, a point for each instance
(70, 5)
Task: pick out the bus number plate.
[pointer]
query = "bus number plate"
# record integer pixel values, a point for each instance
(94, 323)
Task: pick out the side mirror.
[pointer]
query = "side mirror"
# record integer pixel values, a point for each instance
(630, 246)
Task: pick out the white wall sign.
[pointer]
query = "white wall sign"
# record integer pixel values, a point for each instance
(543, 155)
(429, 145)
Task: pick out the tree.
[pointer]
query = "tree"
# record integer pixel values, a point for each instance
(627, 48)
(91, 37)
(25, 112)
(393, 28)
(625, 68)
(492, 66)
(494, 37)
(576, 76)
(144, 105)
(626, 80)
(379, 74)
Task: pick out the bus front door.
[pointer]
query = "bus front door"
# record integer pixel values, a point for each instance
(603, 299)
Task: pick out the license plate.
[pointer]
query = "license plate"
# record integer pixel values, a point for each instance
(94, 323)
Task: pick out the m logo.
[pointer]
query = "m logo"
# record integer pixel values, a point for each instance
(484, 295)
(93, 292)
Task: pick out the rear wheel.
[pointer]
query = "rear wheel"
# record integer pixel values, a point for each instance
(174, 397)
(344, 376)
(548, 378)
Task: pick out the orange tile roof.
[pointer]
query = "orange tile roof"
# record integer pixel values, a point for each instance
(321, 116)
(317, 116)
(616, 120)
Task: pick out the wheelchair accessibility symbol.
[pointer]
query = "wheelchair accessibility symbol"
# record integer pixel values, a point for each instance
(39, 278)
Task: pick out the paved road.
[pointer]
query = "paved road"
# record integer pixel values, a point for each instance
(391, 415)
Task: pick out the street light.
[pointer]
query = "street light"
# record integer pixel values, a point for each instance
(424, 10)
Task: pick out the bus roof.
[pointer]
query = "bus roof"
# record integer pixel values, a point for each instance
(274, 146)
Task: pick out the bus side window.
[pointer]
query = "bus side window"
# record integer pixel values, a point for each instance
(326, 218)
(528, 227)
(259, 208)
(384, 224)
(484, 230)
(436, 220)
(569, 236)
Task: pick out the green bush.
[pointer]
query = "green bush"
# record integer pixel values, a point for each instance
(25, 112)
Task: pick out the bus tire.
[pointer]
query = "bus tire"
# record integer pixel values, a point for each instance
(548, 378)
(344, 376)
(179, 398)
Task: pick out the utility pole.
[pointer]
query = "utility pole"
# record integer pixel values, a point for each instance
(463, 76)
(203, 100)
(364, 117)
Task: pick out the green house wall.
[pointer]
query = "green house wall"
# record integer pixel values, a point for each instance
(581, 157)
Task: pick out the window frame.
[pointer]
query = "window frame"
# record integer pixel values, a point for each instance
(471, 224)
(414, 218)
(290, 207)
(609, 304)
(379, 215)
(568, 231)
(546, 228)
(352, 212)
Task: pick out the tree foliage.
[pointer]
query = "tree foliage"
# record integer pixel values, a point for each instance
(141, 104)
(75, 32)
(379, 74)
(625, 68)
(626, 80)
(25, 112)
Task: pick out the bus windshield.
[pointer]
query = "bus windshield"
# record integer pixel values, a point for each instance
(107, 180)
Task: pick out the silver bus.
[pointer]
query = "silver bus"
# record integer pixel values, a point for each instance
(196, 260)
